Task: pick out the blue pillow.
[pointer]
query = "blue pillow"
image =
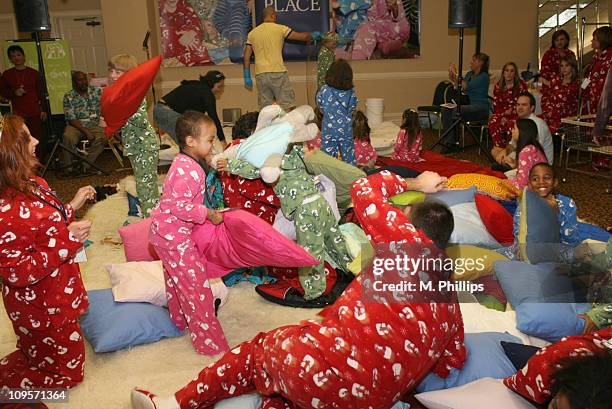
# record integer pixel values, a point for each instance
(110, 326)
(518, 354)
(545, 300)
(590, 231)
(485, 358)
(538, 234)
(133, 206)
(453, 197)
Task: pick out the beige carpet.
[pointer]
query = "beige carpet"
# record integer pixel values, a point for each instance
(166, 365)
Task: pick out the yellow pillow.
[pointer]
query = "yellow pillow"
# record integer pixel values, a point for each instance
(363, 259)
(496, 187)
(476, 262)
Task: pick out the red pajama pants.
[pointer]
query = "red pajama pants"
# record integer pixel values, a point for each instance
(50, 358)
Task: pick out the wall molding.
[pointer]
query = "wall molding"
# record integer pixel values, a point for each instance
(312, 79)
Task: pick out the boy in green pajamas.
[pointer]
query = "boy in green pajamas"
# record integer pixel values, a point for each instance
(140, 142)
(301, 201)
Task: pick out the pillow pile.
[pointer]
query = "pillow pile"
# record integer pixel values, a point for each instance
(451, 197)
(483, 261)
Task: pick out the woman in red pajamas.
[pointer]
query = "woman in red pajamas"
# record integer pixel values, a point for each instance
(505, 94)
(363, 354)
(42, 289)
(551, 60)
(561, 100)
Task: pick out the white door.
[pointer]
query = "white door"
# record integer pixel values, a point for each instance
(85, 35)
(8, 31)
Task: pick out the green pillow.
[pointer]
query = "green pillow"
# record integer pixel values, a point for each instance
(407, 198)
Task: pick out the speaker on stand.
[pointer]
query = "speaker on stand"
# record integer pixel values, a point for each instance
(33, 16)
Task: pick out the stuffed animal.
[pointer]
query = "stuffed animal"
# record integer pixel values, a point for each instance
(275, 131)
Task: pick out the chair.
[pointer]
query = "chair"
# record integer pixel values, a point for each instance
(482, 125)
(115, 146)
(441, 95)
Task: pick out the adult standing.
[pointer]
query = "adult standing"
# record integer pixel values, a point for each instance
(551, 60)
(43, 291)
(476, 87)
(266, 42)
(192, 95)
(82, 114)
(602, 60)
(21, 86)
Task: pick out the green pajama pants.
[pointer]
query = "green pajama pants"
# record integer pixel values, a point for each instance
(317, 231)
(144, 165)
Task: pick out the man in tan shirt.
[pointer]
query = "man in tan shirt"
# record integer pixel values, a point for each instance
(266, 42)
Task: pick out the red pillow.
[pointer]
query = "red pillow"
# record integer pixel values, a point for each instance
(121, 100)
(497, 220)
(534, 380)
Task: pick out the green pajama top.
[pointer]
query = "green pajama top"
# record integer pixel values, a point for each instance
(137, 135)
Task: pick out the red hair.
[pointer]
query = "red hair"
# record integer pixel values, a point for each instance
(17, 164)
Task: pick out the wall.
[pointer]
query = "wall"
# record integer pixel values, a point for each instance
(508, 33)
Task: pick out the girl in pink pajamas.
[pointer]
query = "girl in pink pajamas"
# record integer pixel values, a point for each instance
(181, 207)
(387, 27)
(364, 354)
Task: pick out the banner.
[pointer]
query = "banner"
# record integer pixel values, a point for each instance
(56, 58)
(213, 32)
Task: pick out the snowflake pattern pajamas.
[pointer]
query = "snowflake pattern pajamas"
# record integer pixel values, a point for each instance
(190, 299)
(337, 133)
(43, 292)
(315, 225)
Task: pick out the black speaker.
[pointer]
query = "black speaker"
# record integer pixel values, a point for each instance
(463, 13)
(32, 15)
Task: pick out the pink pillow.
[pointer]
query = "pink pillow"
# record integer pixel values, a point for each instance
(244, 240)
(136, 245)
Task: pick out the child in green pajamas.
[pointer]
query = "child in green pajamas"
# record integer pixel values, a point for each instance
(301, 201)
(140, 142)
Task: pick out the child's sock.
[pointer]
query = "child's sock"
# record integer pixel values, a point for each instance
(142, 399)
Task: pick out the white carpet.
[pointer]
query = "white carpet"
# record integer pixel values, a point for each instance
(166, 365)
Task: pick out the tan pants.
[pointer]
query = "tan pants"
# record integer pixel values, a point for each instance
(72, 136)
(275, 87)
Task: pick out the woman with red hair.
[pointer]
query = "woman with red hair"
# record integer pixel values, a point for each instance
(43, 292)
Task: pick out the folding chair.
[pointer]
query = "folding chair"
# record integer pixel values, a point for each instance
(441, 95)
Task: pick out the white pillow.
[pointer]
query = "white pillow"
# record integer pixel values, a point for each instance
(143, 281)
(469, 228)
(485, 393)
(138, 281)
(248, 401)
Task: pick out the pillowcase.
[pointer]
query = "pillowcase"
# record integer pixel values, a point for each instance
(534, 380)
(538, 233)
(138, 281)
(272, 140)
(518, 354)
(244, 240)
(485, 358)
(358, 246)
(481, 266)
(136, 244)
(543, 297)
(451, 197)
(111, 326)
(492, 186)
(485, 393)
(469, 228)
(407, 198)
(122, 99)
(249, 401)
(496, 219)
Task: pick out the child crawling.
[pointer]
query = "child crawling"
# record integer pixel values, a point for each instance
(361, 355)
(181, 207)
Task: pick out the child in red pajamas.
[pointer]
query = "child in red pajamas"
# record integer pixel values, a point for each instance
(362, 354)
(42, 289)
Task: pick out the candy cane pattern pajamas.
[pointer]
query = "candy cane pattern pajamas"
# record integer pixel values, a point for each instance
(190, 299)
(43, 293)
(362, 354)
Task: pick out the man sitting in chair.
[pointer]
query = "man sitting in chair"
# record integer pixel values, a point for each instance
(82, 113)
